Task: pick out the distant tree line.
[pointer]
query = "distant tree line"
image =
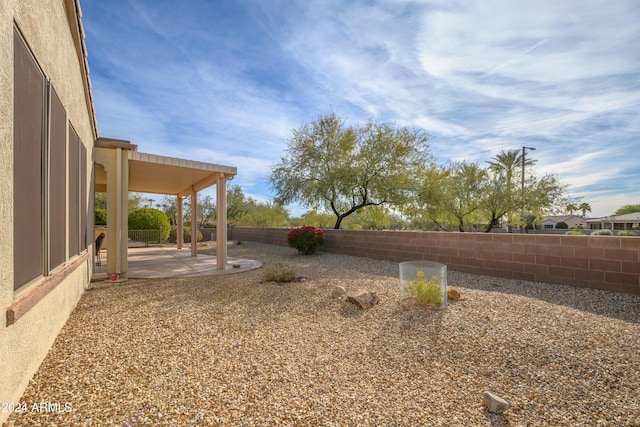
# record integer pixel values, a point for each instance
(374, 176)
(386, 171)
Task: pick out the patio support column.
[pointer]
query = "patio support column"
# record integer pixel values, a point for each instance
(194, 223)
(116, 165)
(179, 223)
(221, 222)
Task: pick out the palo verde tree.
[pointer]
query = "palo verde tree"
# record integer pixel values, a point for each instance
(466, 185)
(430, 196)
(626, 209)
(343, 169)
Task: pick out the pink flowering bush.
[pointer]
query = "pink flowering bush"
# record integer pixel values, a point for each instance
(305, 239)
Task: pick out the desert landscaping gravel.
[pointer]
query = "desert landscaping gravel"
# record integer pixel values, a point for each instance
(230, 350)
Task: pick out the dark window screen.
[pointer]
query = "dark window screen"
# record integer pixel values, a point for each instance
(57, 181)
(28, 110)
(74, 228)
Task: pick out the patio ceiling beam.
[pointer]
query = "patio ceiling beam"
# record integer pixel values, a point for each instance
(200, 185)
(207, 182)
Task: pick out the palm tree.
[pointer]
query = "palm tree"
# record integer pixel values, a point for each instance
(584, 208)
(507, 163)
(571, 208)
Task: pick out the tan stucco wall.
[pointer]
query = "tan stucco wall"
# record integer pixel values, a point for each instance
(24, 344)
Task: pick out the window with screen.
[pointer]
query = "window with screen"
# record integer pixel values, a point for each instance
(28, 130)
(50, 162)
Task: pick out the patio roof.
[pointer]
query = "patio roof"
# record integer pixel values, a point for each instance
(120, 168)
(151, 173)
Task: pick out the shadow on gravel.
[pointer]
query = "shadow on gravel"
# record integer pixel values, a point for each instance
(603, 303)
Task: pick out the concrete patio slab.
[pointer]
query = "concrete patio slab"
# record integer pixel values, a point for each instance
(164, 262)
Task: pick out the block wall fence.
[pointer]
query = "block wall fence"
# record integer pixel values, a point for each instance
(603, 262)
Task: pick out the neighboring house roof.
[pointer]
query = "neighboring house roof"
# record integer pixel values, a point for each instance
(569, 219)
(630, 217)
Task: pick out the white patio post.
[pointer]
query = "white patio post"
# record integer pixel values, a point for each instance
(116, 165)
(123, 220)
(179, 222)
(194, 223)
(221, 222)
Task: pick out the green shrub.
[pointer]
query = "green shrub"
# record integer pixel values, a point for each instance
(150, 219)
(603, 232)
(186, 232)
(101, 216)
(423, 291)
(562, 225)
(626, 233)
(574, 233)
(305, 239)
(279, 272)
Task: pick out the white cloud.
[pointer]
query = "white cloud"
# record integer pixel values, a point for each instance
(228, 81)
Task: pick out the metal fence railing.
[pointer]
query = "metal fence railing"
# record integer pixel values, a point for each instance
(145, 238)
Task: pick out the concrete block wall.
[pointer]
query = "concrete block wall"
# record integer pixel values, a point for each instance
(603, 262)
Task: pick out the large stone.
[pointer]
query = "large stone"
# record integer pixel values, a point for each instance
(495, 403)
(362, 298)
(453, 295)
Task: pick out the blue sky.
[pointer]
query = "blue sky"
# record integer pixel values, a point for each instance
(225, 81)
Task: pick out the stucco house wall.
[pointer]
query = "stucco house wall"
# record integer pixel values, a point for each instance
(34, 314)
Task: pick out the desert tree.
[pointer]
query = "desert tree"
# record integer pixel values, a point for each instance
(466, 184)
(626, 209)
(342, 169)
(509, 165)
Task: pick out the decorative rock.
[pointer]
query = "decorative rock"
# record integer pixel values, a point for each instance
(494, 403)
(453, 295)
(363, 299)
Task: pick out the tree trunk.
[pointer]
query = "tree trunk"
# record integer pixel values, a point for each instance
(492, 224)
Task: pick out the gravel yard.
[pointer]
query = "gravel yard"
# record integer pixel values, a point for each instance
(229, 350)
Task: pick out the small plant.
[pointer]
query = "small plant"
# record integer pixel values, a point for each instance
(423, 291)
(305, 239)
(279, 272)
(574, 233)
(626, 233)
(604, 232)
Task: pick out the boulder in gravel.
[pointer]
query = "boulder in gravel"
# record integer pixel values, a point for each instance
(362, 298)
(494, 403)
(453, 295)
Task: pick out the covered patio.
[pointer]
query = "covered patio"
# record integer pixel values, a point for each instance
(166, 262)
(120, 168)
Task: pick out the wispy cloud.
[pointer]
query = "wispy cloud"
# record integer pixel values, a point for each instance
(227, 81)
(513, 60)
